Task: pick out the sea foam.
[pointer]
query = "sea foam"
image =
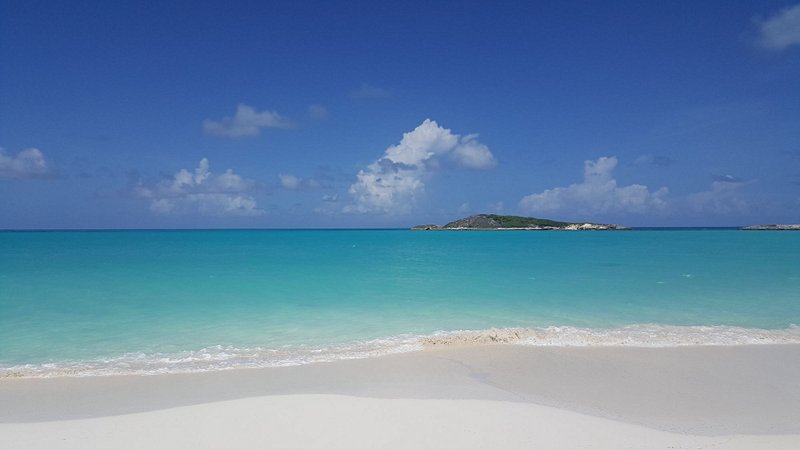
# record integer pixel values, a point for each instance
(648, 335)
(227, 357)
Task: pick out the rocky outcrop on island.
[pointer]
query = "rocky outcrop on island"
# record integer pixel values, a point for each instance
(792, 227)
(497, 222)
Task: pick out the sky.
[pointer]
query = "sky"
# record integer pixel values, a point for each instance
(272, 114)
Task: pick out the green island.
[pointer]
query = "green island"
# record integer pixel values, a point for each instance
(498, 222)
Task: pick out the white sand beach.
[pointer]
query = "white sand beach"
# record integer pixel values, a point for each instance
(493, 396)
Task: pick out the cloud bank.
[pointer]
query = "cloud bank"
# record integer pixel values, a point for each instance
(781, 30)
(247, 122)
(391, 184)
(723, 198)
(28, 163)
(201, 192)
(597, 194)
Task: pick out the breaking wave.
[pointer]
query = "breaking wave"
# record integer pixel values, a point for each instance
(228, 357)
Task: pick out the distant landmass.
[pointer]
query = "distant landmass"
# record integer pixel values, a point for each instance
(497, 222)
(793, 227)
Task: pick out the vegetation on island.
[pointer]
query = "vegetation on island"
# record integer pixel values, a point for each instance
(498, 222)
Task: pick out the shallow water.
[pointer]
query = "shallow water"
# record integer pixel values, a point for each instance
(154, 301)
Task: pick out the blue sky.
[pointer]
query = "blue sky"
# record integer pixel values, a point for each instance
(389, 114)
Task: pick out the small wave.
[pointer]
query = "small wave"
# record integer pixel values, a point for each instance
(228, 357)
(213, 358)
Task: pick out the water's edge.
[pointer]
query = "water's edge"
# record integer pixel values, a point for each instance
(221, 357)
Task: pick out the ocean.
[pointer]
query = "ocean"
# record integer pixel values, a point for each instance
(80, 303)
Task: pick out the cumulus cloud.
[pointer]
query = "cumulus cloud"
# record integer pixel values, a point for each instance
(28, 163)
(368, 91)
(247, 122)
(201, 192)
(598, 193)
(723, 198)
(391, 184)
(471, 154)
(296, 183)
(781, 30)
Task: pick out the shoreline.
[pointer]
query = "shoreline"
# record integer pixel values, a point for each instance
(695, 392)
(223, 358)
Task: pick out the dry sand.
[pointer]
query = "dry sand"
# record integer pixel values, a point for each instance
(500, 396)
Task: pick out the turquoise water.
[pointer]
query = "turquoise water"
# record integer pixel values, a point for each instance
(155, 301)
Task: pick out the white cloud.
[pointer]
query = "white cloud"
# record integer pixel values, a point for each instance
(247, 122)
(28, 163)
(472, 154)
(368, 91)
(727, 178)
(391, 184)
(201, 192)
(290, 181)
(295, 183)
(781, 30)
(723, 198)
(213, 204)
(598, 193)
(231, 182)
